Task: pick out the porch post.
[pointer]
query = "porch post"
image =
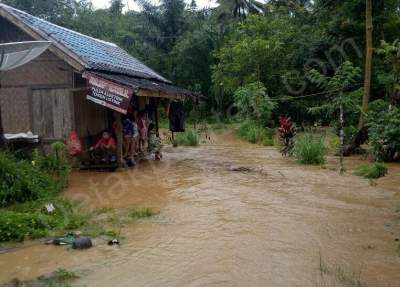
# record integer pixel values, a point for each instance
(157, 115)
(2, 140)
(118, 132)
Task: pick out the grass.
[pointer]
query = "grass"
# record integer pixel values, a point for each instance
(140, 213)
(189, 138)
(255, 134)
(31, 220)
(340, 274)
(310, 149)
(372, 171)
(59, 278)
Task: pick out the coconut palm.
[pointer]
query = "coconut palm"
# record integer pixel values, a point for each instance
(240, 8)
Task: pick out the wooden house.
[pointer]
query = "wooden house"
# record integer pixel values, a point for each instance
(79, 83)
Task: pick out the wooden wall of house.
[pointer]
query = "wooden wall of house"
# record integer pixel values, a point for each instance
(42, 96)
(36, 97)
(90, 118)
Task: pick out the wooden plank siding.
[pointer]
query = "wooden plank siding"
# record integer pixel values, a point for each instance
(15, 110)
(90, 118)
(52, 113)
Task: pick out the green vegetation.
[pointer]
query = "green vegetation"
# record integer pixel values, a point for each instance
(340, 274)
(189, 138)
(32, 220)
(21, 181)
(253, 133)
(59, 278)
(140, 213)
(384, 131)
(56, 162)
(253, 103)
(27, 186)
(310, 149)
(372, 171)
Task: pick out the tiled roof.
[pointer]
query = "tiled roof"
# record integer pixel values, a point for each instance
(96, 54)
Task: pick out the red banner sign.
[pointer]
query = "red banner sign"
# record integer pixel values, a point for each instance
(108, 94)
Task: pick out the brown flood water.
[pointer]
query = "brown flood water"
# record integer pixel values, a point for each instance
(223, 228)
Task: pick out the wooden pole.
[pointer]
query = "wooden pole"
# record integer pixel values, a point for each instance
(157, 116)
(2, 140)
(118, 132)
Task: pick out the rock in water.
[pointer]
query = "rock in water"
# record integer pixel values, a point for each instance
(82, 243)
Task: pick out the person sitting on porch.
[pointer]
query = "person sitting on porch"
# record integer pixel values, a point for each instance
(105, 149)
(154, 142)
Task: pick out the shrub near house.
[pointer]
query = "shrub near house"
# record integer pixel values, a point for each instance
(26, 187)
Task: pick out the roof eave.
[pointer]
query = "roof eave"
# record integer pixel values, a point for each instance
(56, 48)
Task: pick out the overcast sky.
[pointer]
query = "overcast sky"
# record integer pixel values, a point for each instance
(131, 5)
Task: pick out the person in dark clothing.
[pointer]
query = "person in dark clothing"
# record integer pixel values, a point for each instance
(176, 117)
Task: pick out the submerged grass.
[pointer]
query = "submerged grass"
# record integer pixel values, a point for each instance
(189, 138)
(139, 213)
(340, 274)
(310, 149)
(372, 171)
(255, 134)
(59, 278)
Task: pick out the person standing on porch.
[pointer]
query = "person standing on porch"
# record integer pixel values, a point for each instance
(142, 125)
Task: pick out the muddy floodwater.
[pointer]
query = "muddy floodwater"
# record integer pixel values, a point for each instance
(277, 224)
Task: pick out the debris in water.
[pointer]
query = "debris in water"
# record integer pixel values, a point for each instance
(246, 169)
(82, 243)
(113, 242)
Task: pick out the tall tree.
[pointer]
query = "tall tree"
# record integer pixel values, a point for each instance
(240, 8)
(368, 63)
(116, 7)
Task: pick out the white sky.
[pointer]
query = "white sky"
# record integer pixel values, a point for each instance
(131, 5)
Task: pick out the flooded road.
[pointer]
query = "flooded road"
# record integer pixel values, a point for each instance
(280, 224)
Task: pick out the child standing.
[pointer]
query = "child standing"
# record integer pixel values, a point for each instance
(154, 142)
(142, 126)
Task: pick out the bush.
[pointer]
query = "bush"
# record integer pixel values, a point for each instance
(18, 226)
(253, 133)
(20, 181)
(55, 163)
(375, 170)
(384, 132)
(310, 149)
(253, 103)
(188, 138)
(32, 220)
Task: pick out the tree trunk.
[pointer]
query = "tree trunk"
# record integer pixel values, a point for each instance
(368, 63)
(341, 134)
(362, 134)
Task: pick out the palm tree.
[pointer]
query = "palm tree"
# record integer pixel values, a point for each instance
(240, 8)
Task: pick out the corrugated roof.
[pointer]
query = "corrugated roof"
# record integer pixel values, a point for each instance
(96, 54)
